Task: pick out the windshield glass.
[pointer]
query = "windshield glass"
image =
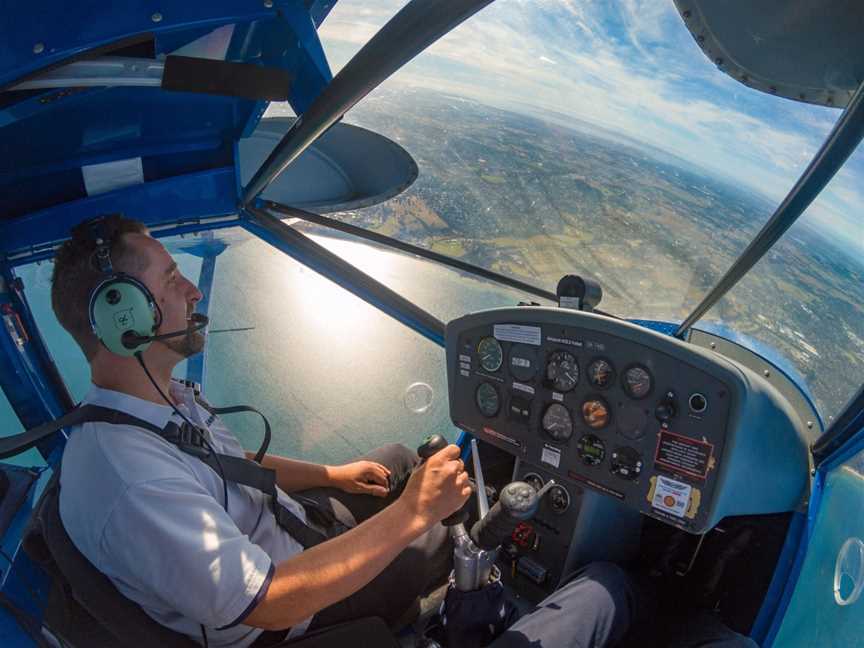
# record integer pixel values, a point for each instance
(597, 139)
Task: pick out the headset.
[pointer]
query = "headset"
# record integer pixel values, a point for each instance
(123, 313)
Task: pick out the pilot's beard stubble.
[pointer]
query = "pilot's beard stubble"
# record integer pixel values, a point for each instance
(186, 345)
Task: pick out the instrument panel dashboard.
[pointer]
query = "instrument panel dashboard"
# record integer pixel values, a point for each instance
(604, 404)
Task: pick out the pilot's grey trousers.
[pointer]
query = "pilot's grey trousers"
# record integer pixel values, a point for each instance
(594, 608)
(419, 567)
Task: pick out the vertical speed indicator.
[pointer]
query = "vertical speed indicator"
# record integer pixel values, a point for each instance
(490, 353)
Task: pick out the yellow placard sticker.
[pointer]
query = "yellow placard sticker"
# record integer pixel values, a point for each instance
(694, 500)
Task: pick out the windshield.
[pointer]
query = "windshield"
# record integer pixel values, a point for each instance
(597, 139)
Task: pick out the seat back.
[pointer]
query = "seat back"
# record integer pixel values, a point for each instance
(85, 607)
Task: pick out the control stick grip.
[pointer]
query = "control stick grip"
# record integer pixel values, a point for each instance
(430, 446)
(518, 502)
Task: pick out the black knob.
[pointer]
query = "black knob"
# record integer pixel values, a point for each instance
(667, 408)
(431, 445)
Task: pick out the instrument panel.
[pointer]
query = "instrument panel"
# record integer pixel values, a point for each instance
(627, 412)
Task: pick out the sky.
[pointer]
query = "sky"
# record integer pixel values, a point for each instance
(631, 67)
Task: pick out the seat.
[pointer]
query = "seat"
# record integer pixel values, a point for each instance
(86, 609)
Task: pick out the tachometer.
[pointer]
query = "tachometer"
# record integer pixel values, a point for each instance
(487, 400)
(490, 353)
(557, 422)
(637, 381)
(595, 413)
(562, 371)
(600, 373)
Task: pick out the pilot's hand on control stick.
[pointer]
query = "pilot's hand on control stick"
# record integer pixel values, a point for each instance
(438, 487)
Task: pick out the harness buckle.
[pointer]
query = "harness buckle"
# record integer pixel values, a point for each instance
(187, 437)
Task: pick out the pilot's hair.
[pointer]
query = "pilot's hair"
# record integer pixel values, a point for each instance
(76, 274)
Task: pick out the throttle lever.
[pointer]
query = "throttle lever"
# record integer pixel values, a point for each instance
(432, 445)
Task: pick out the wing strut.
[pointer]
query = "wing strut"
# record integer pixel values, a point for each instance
(837, 147)
(419, 24)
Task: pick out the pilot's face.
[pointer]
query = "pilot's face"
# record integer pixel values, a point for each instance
(174, 293)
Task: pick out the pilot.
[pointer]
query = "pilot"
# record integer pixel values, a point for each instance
(208, 557)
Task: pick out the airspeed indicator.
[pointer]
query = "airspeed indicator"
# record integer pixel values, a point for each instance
(491, 354)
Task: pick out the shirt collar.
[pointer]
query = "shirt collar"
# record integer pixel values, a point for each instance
(153, 413)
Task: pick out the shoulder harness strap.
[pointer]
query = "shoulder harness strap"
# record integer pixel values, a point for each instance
(189, 440)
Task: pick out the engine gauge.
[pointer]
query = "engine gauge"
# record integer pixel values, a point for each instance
(534, 480)
(591, 449)
(595, 413)
(637, 382)
(487, 400)
(562, 371)
(490, 353)
(559, 499)
(557, 422)
(600, 373)
(626, 463)
(523, 362)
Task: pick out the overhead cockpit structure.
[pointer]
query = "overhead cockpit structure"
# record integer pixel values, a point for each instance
(358, 266)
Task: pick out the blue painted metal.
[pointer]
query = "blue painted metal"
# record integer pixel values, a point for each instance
(191, 197)
(196, 365)
(784, 570)
(47, 136)
(841, 455)
(319, 9)
(67, 29)
(28, 375)
(842, 430)
(290, 42)
(666, 328)
(25, 583)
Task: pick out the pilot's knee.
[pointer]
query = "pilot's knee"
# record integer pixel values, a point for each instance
(398, 458)
(607, 584)
(608, 574)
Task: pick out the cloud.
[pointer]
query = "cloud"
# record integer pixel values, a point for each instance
(630, 67)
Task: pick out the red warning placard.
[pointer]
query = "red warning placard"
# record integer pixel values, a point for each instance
(683, 454)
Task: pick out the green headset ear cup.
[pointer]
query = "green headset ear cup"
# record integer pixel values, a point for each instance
(118, 305)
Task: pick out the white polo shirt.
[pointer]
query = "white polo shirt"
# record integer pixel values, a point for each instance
(151, 518)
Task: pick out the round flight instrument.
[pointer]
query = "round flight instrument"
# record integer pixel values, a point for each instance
(490, 353)
(534, 480)
(487, 400)
(626, 463)
(600, 373)
(595, 413)
(523, 362)
(557, 422)
(591, 449)
(637, 382)
(562, 371)
(559, 499)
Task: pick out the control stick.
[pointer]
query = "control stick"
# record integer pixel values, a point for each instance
(430, 446)
(518, 502)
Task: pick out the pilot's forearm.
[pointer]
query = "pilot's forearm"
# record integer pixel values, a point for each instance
(293, 475)
(332, 571)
